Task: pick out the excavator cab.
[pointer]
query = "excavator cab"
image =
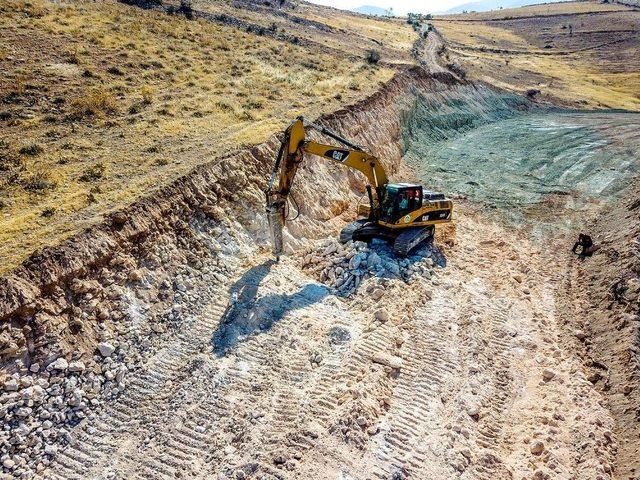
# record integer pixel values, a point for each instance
(400, 199)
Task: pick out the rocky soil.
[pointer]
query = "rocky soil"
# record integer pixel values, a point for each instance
(169, 345)
(601, 313)
(344, 267)
(39, 408)
(124, 313)
(456, 372)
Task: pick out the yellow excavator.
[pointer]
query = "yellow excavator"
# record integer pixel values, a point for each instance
(402, 213)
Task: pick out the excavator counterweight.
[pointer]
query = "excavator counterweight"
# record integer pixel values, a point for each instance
(402, 213)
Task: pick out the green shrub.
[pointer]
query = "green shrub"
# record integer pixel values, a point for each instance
(31, 149)
(48, 212)
(115, 71)
(95, 104)
(38, 181)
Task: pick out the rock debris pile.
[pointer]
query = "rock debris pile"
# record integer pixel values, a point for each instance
(40, 405)
(345, 266)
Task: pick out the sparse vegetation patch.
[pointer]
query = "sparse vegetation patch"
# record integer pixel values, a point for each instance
(554, 49)
(97, 103)
(31, 149)
(93, 173)
(38, 181)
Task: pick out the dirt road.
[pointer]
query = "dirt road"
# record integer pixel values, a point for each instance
(428, 49)
(470, 376)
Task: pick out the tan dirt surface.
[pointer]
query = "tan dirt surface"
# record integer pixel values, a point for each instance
(580, 54)
(469, 376)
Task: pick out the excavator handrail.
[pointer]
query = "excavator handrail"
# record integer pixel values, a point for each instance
(331, 134)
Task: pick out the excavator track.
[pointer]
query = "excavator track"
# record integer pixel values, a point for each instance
(372, 230)
(346, 234)
(410, 238)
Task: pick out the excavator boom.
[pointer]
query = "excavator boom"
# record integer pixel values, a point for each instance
(294, 145)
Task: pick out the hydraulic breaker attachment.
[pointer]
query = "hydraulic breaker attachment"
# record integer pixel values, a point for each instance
(275, 217)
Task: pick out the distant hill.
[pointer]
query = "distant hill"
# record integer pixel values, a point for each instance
(371, 10)
(486, 5)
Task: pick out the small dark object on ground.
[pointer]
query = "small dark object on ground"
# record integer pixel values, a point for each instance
(373, 57)
(115, 71)
(586, 243)
(618, 290)
(457, 70)
(532, 92)
(93, 173)
(31, 149)
(118, 219)
(39, 181)
(48, 212)
(185, 8)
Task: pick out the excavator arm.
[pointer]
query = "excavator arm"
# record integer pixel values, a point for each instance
(291, 154)
(362, 161)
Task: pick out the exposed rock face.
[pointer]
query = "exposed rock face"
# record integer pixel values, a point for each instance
(41, 405)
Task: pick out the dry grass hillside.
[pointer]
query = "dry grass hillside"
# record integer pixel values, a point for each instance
(583, 54)
(328, 29)
(102, 102)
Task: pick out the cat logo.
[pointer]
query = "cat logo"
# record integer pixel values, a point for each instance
(338, 155)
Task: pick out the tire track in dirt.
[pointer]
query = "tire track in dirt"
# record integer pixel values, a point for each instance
(96, 446)
(242, 416)
(307, 396)
(496, 360)
(406, 444)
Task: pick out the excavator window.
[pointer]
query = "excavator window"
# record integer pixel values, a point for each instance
(403, 201)
(414, 200)
(400, 201)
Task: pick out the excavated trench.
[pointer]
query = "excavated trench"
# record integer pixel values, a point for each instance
(339, 361)
(546, 174)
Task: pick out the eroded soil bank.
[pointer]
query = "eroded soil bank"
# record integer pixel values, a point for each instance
(214, 361)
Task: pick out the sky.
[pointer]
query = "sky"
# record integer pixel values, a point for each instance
(399, 6)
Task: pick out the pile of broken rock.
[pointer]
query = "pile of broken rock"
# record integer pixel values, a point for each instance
(345, 266)
(40, 405)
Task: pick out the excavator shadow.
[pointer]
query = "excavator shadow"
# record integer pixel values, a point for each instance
(249, 315)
